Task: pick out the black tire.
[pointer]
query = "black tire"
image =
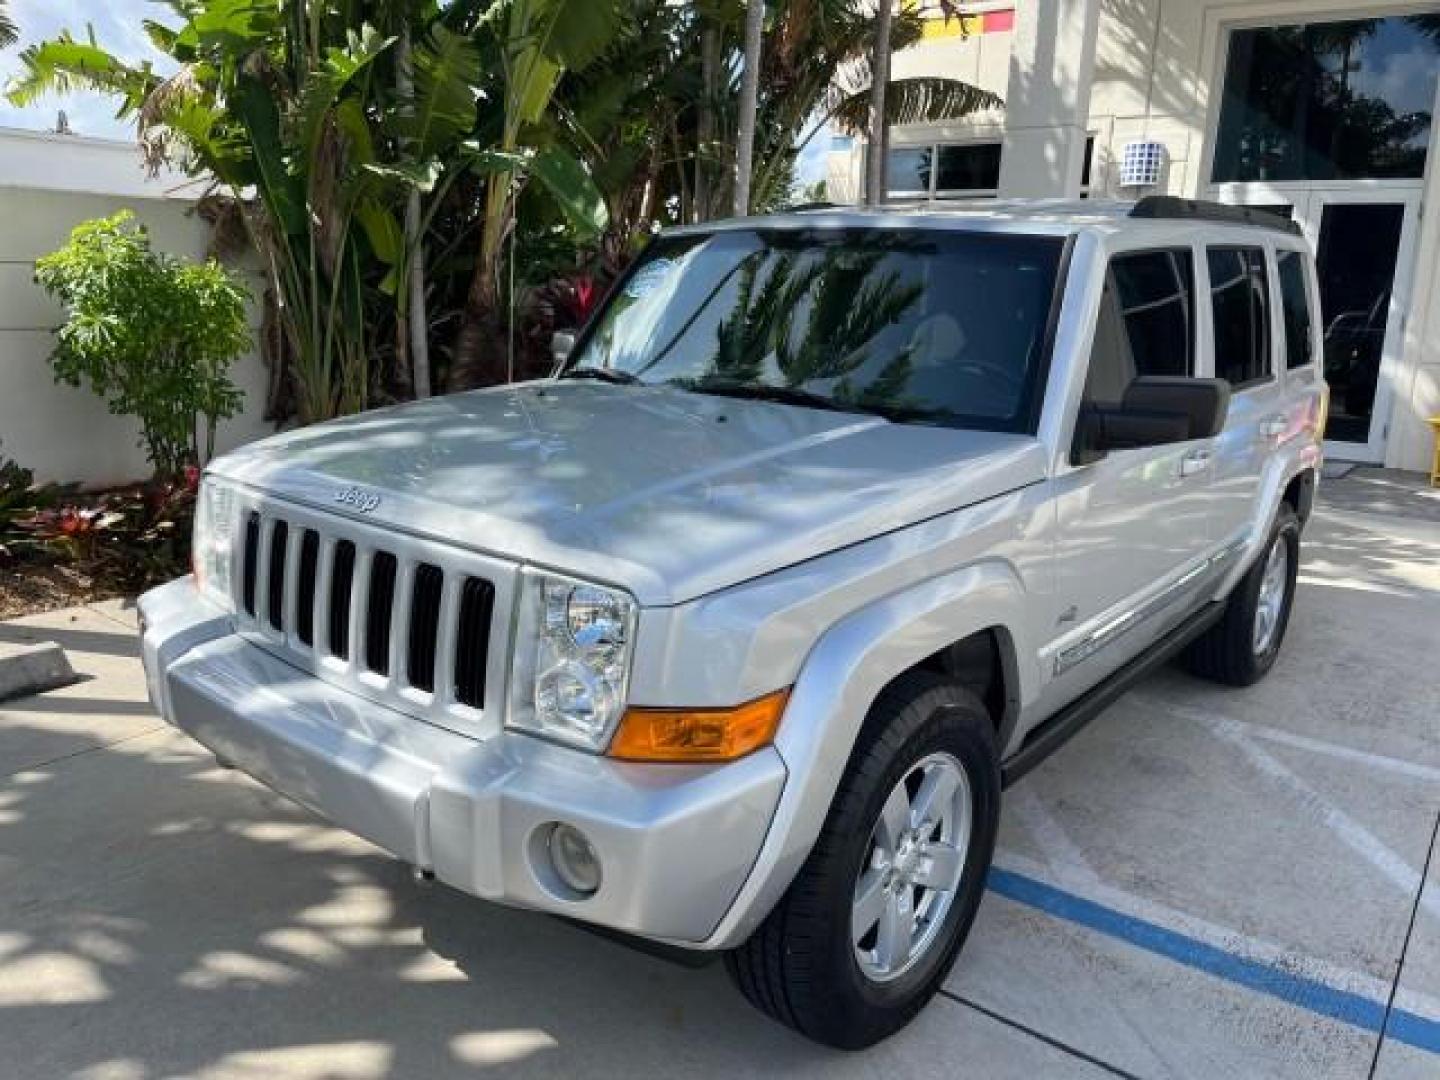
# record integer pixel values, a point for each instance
(799, 966)
(1225, 653)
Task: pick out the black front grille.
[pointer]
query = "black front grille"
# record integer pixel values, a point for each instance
(472, 642)
(305, 586)
(424, 626)
(420, 665)
(252, 554)
(275, 598)
(342, 575)
(378, 611)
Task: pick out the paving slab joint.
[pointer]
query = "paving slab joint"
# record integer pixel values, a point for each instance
(30, 669)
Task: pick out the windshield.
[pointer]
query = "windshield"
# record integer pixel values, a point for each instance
(921, 325)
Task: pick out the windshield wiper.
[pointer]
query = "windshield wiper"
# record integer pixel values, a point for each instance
(784, 395)
(602, 374)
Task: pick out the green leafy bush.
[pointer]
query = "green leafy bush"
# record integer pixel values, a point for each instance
(20, 500)
(153, 336)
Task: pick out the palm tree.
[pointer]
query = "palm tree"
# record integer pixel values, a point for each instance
(879, 129)
(662, 146)
(9, 32)
(745, 121)
(710, 59)
(319, 135)
(536, 42)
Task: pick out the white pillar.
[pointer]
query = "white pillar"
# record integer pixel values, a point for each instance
(1047, 104)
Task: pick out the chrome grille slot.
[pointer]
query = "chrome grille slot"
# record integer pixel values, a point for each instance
(406, 621)
(305, 585)
(424, 626)
(477, 601)
(275, 600)
(378, 609)
(252, 552)
(341, 580)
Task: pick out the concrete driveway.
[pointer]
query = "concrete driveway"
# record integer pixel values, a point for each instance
(1204, 883)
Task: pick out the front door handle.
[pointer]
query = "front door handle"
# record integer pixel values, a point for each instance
(1196, 461)
(1272, 427)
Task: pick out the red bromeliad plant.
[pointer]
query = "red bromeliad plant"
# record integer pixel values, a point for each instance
(136, 536)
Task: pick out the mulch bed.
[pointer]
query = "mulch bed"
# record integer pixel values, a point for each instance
(30, 587)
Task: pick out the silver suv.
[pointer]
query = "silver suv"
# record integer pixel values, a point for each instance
(729, 635)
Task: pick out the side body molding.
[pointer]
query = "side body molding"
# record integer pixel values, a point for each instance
(840, 679)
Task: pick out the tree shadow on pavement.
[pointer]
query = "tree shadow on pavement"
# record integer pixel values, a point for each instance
(162, 917)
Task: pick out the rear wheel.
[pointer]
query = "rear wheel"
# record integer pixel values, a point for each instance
(1242, 646)
(874, 920)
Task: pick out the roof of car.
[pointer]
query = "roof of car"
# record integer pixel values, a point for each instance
(1057, 217)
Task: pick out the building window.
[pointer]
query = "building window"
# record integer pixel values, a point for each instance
(1328, 101)
(1240, 305)
(909, 172)
(944, 171)
(1087, 168)
(968, 169)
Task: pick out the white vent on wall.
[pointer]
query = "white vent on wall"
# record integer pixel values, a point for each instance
(1140, 163)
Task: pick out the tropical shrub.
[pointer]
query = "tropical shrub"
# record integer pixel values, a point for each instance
(153, 336)
(341, 130)
(410, 171)
(20, 500)
(132, 537)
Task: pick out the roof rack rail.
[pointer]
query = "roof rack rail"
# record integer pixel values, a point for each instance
(819, 204)
(1172, 208)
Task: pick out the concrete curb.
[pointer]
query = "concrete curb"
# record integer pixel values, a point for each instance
(29, 669)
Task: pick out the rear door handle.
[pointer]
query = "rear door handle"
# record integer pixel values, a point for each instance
(1272, 427)
(1196, 461)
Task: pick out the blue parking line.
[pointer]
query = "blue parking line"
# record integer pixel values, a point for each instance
(1354, 1009)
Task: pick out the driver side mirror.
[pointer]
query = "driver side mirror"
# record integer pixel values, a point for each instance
(1156, 410)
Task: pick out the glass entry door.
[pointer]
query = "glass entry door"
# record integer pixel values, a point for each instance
(1363, 236)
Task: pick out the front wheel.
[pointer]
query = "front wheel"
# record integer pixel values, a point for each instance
(874, 920)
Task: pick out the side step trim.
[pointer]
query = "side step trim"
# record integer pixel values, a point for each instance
(1065, 724)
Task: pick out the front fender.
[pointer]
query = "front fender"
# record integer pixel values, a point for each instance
(839, 681)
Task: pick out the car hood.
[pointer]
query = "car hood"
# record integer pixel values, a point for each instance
(668, 493)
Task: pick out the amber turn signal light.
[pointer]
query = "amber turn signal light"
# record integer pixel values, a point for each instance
(698, 734)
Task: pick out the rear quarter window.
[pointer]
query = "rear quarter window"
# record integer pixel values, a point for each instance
(1240, 306)
(1295, 309)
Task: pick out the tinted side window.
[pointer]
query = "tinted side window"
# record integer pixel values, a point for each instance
(1240, 301)
(1146, 324)
(1295, 307)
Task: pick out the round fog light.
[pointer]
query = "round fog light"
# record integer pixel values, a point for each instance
(574, 859)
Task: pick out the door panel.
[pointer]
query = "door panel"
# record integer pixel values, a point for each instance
(1132, 522)
(1240, 306)
(1128, 526)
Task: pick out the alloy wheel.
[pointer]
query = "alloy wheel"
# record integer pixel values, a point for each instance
(912, 868)
(1270, 604)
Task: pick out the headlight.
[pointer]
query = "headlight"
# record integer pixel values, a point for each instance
(573, 644)
(210, 549)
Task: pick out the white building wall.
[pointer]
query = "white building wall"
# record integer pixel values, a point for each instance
(49, 184)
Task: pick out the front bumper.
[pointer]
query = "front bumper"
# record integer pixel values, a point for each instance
(675, 842)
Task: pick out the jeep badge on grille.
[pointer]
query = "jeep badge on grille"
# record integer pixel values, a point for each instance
(361, 500)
